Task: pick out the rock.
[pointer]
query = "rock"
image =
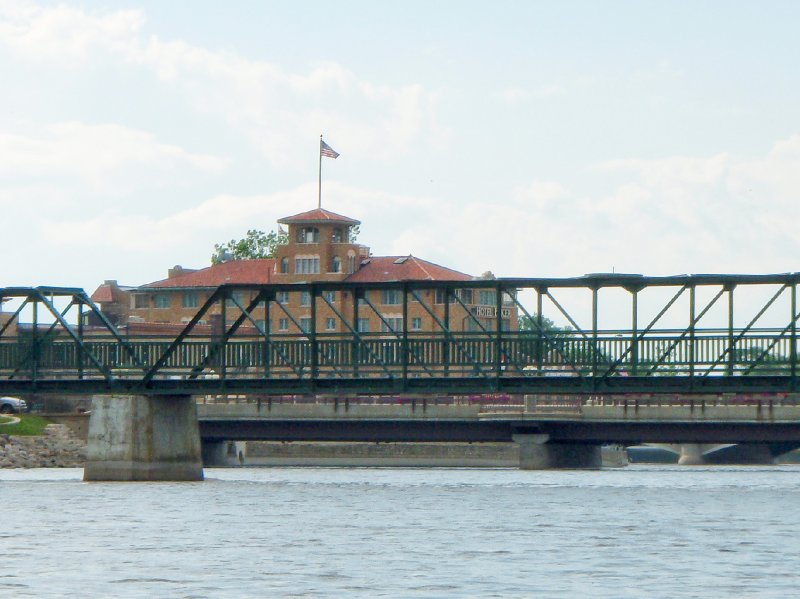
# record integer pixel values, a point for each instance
(56, 448)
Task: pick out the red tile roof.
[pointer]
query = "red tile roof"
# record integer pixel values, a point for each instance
(108, 292)
(235, 271)
(382, 269)
(319, 215)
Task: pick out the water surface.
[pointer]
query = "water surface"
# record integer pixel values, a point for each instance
(641, 531)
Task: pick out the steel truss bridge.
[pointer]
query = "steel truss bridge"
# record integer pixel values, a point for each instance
(710, 334)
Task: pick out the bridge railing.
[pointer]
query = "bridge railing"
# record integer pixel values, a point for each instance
(660, 354)
(479, 330)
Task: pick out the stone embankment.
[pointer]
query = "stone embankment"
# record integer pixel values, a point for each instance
(56, 448)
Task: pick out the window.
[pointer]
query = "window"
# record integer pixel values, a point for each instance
(191, 300)
(330, 324)
(508, 297)
(440, 295)
(487, 297)
(306, 266)
(239, 297)
(283, 324)
(391, 297)
(416, 323)
(337, 237)
(465, 295)
(336, 264)
(395, 325)
(351, 264)
(282, 297)
(305, 298)
(305, 325)
(141, 301)
(308, 235)
(285, 265)
(363, 325)
(163, 300)
(330, 296)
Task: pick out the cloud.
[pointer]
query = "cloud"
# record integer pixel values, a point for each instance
(269, 106)
(100, 155)
(65, 35)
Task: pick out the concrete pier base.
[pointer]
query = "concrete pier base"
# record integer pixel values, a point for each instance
(138, 438)
(223, 454)
(536, 453)
(691, 455)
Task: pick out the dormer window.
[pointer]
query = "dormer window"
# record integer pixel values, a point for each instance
(337, 237)
(307, 235)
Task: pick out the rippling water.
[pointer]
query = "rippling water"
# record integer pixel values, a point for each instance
(634, 532)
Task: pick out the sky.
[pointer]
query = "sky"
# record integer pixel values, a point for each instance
(526, 138)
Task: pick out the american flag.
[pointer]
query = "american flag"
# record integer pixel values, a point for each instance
(326, 150)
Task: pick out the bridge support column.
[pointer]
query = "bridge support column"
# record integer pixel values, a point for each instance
(223, 454)
(691, 455)
(535, 453)
(143, 438)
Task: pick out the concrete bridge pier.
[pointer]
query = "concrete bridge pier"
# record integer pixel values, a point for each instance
(691, 455)
(223, 454)
(536, 453)
(143, 438)
(696, 454)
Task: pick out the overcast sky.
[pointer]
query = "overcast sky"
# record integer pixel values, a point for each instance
(525, 138)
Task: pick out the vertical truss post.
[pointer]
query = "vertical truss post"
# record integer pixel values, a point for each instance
(446, 339)
(404, 342)
(539, 335)
(793, 334)
(355, 346)
(731, 352)
(692, 294)
(312, 334)
(595, 351)
(267, 338)
(498, 317)
(634, 331)
(79, 346)
(223, 358)
(35, 342)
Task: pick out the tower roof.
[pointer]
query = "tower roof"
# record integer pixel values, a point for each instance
(317, 216)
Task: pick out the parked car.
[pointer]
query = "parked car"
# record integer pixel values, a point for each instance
(12, 405)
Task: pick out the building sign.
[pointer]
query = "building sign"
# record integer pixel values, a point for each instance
(491, 312)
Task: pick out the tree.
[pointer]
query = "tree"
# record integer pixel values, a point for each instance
(529, 323)
(256, 244)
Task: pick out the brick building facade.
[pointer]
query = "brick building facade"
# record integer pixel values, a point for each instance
(320, 248)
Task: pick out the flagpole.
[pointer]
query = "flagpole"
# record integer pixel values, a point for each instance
(319, 188)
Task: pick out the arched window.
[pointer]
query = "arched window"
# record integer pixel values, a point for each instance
(336, 264)
(285, 265)
(307, 235)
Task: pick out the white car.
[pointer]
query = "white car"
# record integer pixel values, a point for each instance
(12, 405)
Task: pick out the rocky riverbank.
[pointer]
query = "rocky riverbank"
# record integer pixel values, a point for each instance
(58, 447)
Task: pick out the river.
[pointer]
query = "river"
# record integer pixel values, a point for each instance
(641, 531)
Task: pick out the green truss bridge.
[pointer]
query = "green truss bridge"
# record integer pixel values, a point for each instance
(619, 334)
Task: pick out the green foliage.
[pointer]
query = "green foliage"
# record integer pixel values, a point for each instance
(354, 232)
(256, 244)
(529, 323)
(28, 425)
